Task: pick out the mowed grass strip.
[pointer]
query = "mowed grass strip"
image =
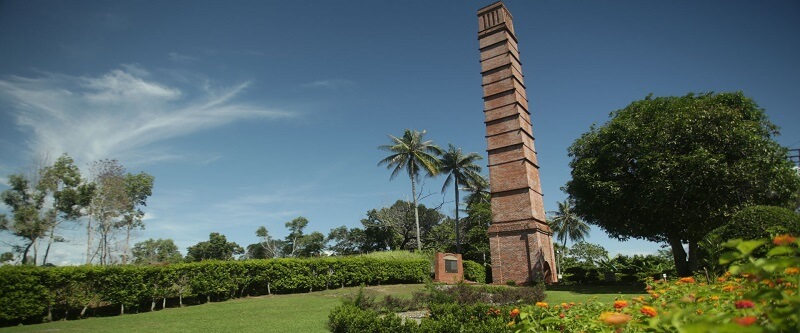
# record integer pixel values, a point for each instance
(277, 313)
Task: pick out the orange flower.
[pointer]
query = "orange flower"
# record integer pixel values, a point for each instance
(744, 304)
(649, 311)
(614, 318)
(687, 279)
(792, 270)
(699, 311)
(542, 304)
(745, 321)
(655, 295)
(728, 288)
(783, 239)
(714, 297)
(620, 304)
(561, 315)
(514, 312)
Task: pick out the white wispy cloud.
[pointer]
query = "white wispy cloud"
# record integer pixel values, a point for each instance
(120, 114)
(330, 84)
(181, 58)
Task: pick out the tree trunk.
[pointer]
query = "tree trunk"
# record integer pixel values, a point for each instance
(25, 254)
(679, 254)
(49, 243)
(180, 299)
(693, 251)
(152, 305)
(121, 309)
(163, 303)
(89, 241)
(83, 311)
(416, 212)
(458, 232)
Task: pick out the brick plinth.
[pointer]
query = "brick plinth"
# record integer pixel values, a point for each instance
(520, 240)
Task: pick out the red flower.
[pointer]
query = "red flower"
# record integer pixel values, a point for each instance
(620, 304)
(514, 312)
(744, 304)
(783, 239)
(745, 321)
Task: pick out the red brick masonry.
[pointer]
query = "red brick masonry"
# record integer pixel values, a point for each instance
(520, 240)
(440, 271)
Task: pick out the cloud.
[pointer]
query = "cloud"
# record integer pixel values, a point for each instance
(330, 84)
(120, 114)
(185, 59)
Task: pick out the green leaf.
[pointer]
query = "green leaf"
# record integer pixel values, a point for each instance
(746, 247)
(780, 251)
(729, 257)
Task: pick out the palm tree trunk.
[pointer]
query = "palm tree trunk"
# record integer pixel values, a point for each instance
(416, 212)
(458, 231)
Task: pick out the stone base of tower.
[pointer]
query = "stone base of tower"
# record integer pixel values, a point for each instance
(522, 252)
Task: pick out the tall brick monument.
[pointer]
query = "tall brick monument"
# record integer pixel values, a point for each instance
(519, 238)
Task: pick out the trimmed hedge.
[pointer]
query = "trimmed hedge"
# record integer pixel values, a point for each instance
(35, 294)
(474, 271)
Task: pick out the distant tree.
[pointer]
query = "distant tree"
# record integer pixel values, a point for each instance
(216, 247)
(476, 226)
(311, 245)
(412, 154)
(267, 247)
(154, 251)
(137, 189)
(461, 170)
(346, 241)
(672, 169)
(109, 202)
(588, 254)
(294, 240)
(6, 257)
(441, 237)
(27, 223)
(395, 225)
(568, 225)
(62, 182)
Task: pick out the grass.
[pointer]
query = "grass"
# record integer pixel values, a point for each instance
(583, 293)
(279, 313)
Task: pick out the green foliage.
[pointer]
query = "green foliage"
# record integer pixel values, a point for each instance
(22, 295)
(474, 271)
(31, 291)
(759, 222)
(672, 169)
(216, 247)
(153, 251)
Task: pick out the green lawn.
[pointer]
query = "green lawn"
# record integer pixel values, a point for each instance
(276, 313)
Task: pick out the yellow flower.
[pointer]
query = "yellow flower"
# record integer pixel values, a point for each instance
(649, 311)
(542, 304)
(699, 311)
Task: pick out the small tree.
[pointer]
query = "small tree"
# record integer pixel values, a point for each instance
(216, 247)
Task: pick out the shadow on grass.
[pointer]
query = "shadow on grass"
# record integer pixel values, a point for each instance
(599, 289)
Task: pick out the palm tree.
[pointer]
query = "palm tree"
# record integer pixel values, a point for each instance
(479, 191)
(567, 225)
(412, 154)
(460, 169)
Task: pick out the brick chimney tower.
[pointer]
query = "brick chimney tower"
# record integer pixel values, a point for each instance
(520, 239)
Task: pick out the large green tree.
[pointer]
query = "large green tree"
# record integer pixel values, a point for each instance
(393, 227)
(26, 222)
(412, 154)
(671, 169)
(460, 169)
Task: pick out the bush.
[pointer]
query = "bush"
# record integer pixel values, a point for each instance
(474, 271)
(756, 222)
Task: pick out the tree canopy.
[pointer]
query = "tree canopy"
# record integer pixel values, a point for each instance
(671, 169)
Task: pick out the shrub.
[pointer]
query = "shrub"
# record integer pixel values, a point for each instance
(756, 222)
(474, 271)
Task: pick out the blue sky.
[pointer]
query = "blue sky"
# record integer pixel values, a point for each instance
(252, 113)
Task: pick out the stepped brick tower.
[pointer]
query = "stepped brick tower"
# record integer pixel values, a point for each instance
(520, 239)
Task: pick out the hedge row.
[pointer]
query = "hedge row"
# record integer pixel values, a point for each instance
(33, 294)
